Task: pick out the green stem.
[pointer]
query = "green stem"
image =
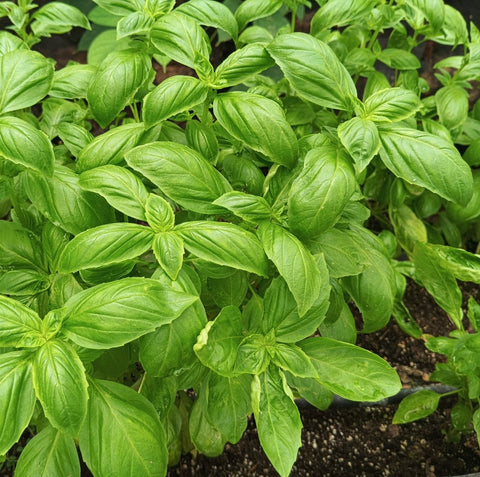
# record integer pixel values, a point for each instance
(134, 110)
(142, 383)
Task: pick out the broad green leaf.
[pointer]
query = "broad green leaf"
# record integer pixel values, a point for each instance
(181, 173)
(452, 105)
(218, 342)
(291, 358)
(426, 160)
(281, 312)
(416, 406)
(320, 192)
(115, 83)
(176, 340)
(19, 248)
(9, 42)
(464, 265)
(121, 422)
(24, 144)
(433, 10)
(202, 138)
(350, 371)
(108, 273)
(16, 395)
(253, 355)
(57, 17)
(212, 14)
(391, 105)
(19, 326)
(224, 244)
(405, 320)
(112, 314)
(251, 208)
(62, 288)
(74, 137)
(25, 78)
(122, 189)
(361, 140)
(242, 64)
(105, 245)
(277, 419)
(137, 23)
(168, 249)
(181, 38)
(120, 7)
(340, 13)
(398, 59)
(230, 290)
(243, 174)
(172, 96)
(313, 70)
(23, 282)
(454, 29)
(50, 452)
(294, 262)
(374, 289)
(439, 281)
(251, 10)
(258, 122)
(409, 229)
(342, 254)
(311, 390)
(159, 213)
(470, 211)
(72, 81)
(110, 147)
(64, 203)
(61, 385)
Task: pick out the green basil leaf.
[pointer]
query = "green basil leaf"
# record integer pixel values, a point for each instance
(452, 105)
(252, 354)
(119, 7)
(50, 452)
(20, 326)
(340, 13)
(172, 96)
(439, 281)
(23, 282)
(212, 14)
(105, 245)
(159, 213)
(320, 192)
(277, 419)
(230, 290)
(342, 254)
(61, 385)
(24, 144)
(122, 422)
(122, 189)
(224, 244)
(74, 137)
(291, 358)
(260, 123)
(25, 78)
(110, 147)
(168, 249)
(294, 262)
(64, 203)
(398, 59)
(203, 139)
(433, 10)
(176, 340)
(409, 229)
(350, 371)
(136, 23)
(19, 248)
(218, 342)
(248, 207)
(9, 42)
(313, 70)
(416, 406)
(181, 173)
(181, 38)
(129, 308)
(360, 138)
(281, 312)
(17, 396)
(251, 10)
(464, 265)
(57, 17)
(391, 105)
(242, 64)
(72, 81)
(311, 390)
(115, 83)
(454, 29)
(243, 174)
(426, 160)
